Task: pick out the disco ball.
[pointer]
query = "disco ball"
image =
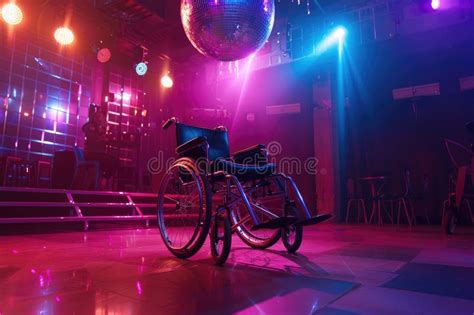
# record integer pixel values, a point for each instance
(227, 29)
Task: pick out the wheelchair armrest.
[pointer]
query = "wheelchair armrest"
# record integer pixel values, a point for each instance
(253, 155)
(195, 148)
(169, 122)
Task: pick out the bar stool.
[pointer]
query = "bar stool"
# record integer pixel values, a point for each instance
(405, 201)
(352, 198)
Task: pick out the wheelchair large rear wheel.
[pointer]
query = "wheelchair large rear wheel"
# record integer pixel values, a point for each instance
(184, 208)
(273, 203)
(259, 239)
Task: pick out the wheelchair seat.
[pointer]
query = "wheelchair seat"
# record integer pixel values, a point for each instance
(189, 138)
(245, 171)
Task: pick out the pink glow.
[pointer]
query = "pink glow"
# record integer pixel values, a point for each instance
(244, 84)
(126, 97)
(139, 288)
(435, 4)
(57, 298)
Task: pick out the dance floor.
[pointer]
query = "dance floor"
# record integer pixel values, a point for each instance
(340, 269)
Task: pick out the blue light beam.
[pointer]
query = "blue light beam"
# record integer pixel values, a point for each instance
(335, 37)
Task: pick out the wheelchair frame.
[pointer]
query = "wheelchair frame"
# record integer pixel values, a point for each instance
(288, 226)
(243, 191)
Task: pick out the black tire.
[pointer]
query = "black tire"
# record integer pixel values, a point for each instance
(450, 222)
(186, 174)
(292, 236)
(270, 197)
(256, 239)
(221, 238)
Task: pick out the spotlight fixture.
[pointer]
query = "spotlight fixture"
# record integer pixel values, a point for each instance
(64, 36)
(333, 38)
(430, 5)
(12, 14)
(102, 51)
(141, 68)
(167, 81)
(104, 55)
(340, 32)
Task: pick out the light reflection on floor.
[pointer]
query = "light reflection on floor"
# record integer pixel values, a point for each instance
(340, 270)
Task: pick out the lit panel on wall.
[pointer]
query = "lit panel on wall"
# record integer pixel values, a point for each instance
(41, 94)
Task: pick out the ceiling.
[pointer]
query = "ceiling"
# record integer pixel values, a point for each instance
(128, 25)
(125, 26)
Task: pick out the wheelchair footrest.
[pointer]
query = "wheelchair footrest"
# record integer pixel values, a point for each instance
(275, 223)
(314, 220)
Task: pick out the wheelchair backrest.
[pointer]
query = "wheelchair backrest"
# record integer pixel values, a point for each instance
(217, 139)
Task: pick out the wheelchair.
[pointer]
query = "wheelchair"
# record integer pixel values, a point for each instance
(208, 191)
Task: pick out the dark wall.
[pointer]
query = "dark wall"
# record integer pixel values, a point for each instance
(292, 132)
(387, 136)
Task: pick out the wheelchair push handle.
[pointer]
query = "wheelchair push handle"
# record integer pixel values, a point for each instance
(169, 122)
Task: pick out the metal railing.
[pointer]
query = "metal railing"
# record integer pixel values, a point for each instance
(10, 201)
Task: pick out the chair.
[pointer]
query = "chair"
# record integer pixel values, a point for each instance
(461, 161)
(464, 203)
(253, 199)
(377, 197)
(43, 174)
(352, 198)
(87, 173)
(457, 194)
(405, 200)
(70, 170)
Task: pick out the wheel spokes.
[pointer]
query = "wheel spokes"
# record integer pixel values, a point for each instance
(182, 207)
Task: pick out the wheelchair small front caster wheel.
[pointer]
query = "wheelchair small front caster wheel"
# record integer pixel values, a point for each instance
(292, 236)
(221, 238)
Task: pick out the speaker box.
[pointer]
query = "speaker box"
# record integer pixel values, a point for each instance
(64, 165)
